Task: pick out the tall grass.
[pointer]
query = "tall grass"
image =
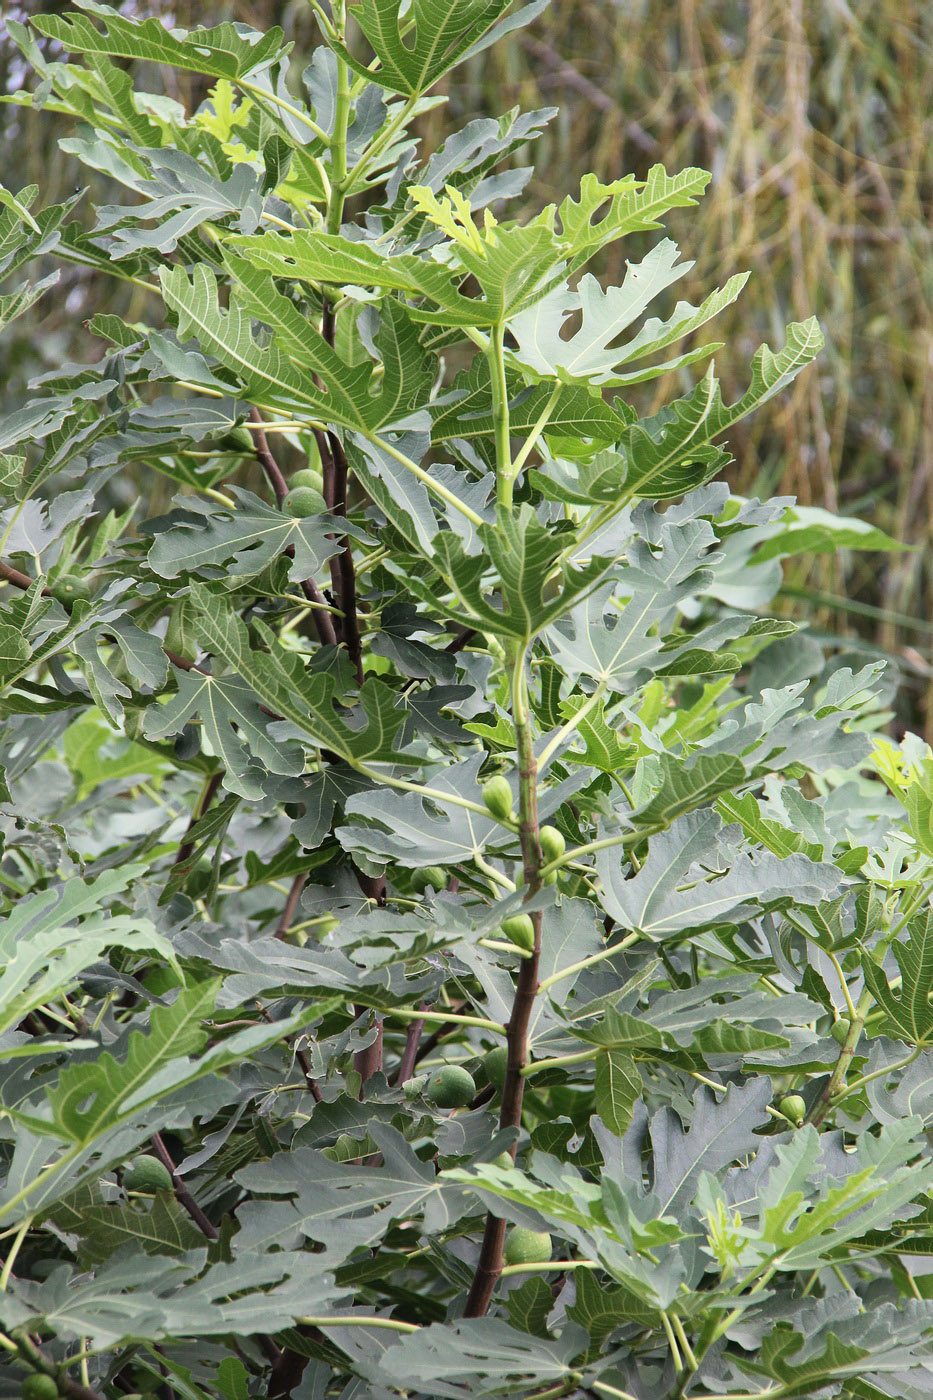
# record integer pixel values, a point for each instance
(816, 120)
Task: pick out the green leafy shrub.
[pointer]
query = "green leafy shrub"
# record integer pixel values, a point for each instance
(282, 789)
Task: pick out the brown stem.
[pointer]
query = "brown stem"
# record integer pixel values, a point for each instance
(182, 1195)
(369, 1061)
(461, 640)
(410, 1053)
(20, 580)
(265, 458)
(435, 1038)
(323, 622)
(185, 1199)
(489, 1266)
(291, 904)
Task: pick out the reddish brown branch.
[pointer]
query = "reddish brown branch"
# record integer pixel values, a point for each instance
(489, 1266)
(265, 458)
(409, 1058)
(182, 1195)
(18, 579)
(281, 928)
(291, 904)
(185, 1199)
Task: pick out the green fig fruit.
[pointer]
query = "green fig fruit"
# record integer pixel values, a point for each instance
(524, 1246)
(794, 1108)
(429, 877)
(552, 843)
(494, 1063)
(307, 476)
(520, 930)
(497, 795)
(38, 1386)
(67, 588)
(839, 1030)
(147, 1175)
(450, 1087)
(302, 501)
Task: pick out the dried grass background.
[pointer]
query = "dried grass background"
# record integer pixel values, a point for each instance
(816, 120)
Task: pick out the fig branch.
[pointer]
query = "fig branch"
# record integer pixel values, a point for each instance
(489, 1266)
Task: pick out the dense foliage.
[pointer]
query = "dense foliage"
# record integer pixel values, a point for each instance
(455, 945)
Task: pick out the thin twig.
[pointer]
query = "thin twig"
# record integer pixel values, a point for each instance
(265, 458)
(489, 1265)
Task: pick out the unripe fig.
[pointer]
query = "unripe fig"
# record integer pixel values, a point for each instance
(524, 1246)
(794, 1108)
(38, 1386)
(307, 477)
(504, 1160)
(147, 1175)
(497, 795)
(552, 843)
(450, 1087)
(67, 588)
(302, 501)
(494, 1063)
(520, 930)
(429, 877)
(840, 1030)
